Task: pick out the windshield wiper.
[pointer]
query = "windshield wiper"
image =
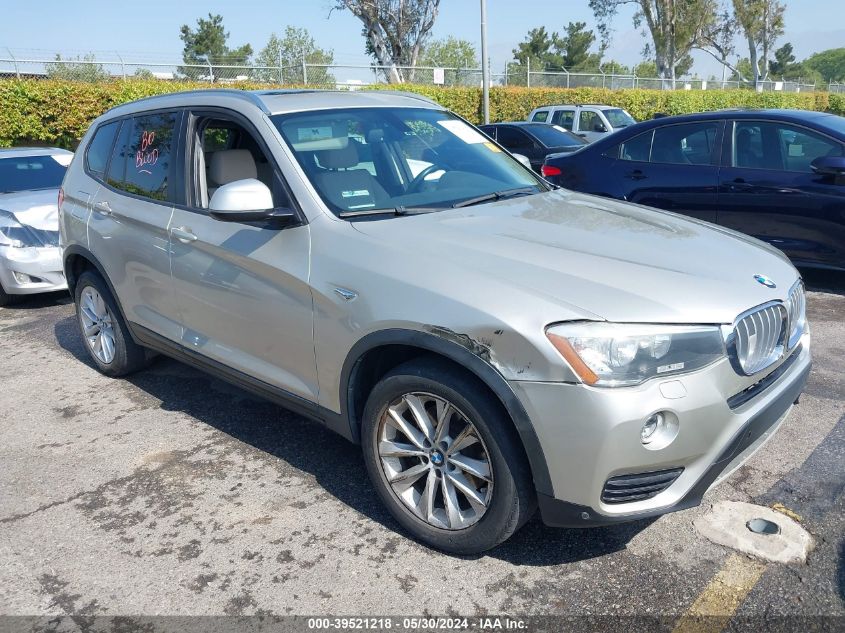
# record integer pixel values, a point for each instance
(400, 210)
(496, 195)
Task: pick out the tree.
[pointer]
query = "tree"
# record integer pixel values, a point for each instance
(395, 31)
(207, 45)
(675, 27)
(830, 64)
(761, 23)
(574, 47)
(450, 53)
(784, 60)
(78, 69)
(612, 67)
(646, 69)
(281, 60)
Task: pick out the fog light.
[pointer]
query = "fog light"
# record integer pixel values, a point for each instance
(22, 278)
(659, 430)
(650, 427)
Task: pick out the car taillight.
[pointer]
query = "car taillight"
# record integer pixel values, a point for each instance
(550, 170)
(61, 197)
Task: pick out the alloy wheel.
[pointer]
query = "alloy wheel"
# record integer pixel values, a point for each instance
(435, 461)
(97, 324)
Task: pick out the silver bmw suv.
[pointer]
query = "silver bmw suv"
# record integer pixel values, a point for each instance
(373, 262)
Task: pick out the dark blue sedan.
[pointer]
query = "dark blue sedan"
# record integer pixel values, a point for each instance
(778, 175)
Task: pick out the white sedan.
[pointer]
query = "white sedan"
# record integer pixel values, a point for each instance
(30, 257)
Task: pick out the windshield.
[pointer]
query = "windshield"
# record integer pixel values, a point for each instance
(361, 160)
(24, 173)
(555, 136)
(619, 118)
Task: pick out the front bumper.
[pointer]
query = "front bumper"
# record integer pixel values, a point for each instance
(590, 435)
(42, 266)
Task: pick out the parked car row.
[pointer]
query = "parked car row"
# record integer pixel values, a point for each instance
(776, 175)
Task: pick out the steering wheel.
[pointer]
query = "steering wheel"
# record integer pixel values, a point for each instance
(419, 180)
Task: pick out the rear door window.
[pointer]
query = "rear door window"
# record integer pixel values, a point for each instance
(142, 156)
(564, 118)
(99, 149)
(636, 149)
(686, 144)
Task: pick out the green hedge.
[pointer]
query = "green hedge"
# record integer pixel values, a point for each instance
(59, 112)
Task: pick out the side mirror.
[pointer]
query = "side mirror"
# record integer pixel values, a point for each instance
(829, 166)
(599, 127)
(523, 159)
(247, 200)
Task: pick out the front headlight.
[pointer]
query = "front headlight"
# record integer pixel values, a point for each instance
(615, 354)
(10, 230)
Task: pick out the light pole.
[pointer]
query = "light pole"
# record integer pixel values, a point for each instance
(485, 64)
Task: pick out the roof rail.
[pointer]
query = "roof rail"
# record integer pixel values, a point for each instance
(249, 95)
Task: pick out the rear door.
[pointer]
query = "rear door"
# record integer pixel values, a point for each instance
(564, 117)
(130, 215)
(768, 189)
(673, 167)
(242, 288)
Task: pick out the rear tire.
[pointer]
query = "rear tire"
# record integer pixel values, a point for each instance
(470, 485)
(103, 330)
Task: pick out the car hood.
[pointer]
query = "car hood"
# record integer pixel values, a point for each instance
(38, 209)
(612, 260)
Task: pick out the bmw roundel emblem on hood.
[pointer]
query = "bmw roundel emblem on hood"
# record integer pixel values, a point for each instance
(762, 279)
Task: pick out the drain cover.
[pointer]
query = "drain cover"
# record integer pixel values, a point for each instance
(757, 531)
(763, 526)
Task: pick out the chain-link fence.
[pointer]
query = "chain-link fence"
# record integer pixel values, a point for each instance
(352, 76)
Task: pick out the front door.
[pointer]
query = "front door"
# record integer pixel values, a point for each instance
(768, 189)
(242, 288)
(130, 214)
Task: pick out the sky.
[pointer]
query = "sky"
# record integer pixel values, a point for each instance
(148, 30)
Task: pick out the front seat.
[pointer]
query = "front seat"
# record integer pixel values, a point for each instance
(346, 188)
(228, 166)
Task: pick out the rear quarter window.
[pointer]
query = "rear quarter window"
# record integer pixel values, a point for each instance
(540, 116)
(99, 149)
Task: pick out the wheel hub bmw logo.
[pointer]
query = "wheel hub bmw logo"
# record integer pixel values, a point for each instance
(762, 279)
(437, 458)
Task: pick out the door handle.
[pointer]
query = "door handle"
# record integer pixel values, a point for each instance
(637, 174)
(102, 207)
(739, 184)
(183, 234)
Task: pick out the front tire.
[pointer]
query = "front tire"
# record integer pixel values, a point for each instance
(445, 459)
(103, 329)
(6, 299)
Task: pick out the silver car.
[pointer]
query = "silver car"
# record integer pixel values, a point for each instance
(372, 261)
(30, 257)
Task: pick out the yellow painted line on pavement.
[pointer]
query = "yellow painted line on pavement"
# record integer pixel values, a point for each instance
(716, 605)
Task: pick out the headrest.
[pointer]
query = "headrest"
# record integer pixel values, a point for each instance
(339, 158)
(229, 165)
